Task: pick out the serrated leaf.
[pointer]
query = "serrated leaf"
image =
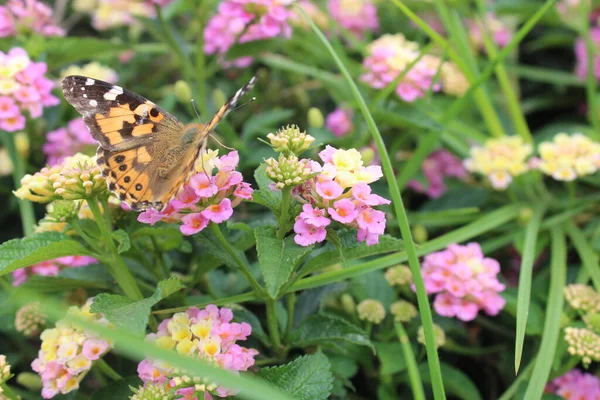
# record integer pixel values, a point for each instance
(390, 357)
(19, 253)
(306, 378)
(351, 249)
(265, 196)
(278, 258)
(122, 239)
(132, 315)
(327, 329)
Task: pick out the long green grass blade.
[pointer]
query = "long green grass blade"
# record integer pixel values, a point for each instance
(589, 258)
(414, 377)
(545, 356)
(413, 261)
(524, 294)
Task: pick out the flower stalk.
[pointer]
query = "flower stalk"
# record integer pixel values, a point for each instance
(283, 217)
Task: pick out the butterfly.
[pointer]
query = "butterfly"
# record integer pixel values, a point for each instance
(145, 154)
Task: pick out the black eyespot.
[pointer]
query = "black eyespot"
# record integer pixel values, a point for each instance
(120, 158)
(111, 186)
(126, 179)
(122, 196)
(123, 167)
(138, 187)
(153, 112)
(113, 174)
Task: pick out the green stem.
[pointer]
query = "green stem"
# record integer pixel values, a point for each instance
(259, 290)
(25, 206)
(108, 370)
(591, 84)
(8, 392)
(400, 211)
(414, 376)
(283, 217)
(272, 324)
(116, 265)
(291, 304)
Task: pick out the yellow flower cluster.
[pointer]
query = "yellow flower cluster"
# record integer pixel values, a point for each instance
(568, 157)
(93, 70)
(582, 297)
(500, 160)
(78, 177)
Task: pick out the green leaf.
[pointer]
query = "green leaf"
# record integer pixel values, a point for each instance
(131, 315)
(278, 258)
(19, 253)
(252, 48)
(351, 249)
(328, 329)
(407, 116)
(390, 357)
(306, 378)
(373, 286)
(242, 314)
(216, 249)
(309, 301)
(265, 196)
(122, 239)
(166, 237)
(455, 382)
(67, 50)
(536, 314)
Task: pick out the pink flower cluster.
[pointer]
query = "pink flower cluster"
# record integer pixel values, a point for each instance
(439, 165)
(575, 385)
(65, 142)
(464, 280)
(67, 353)
(23, 87)
(208, 334)
(496, 29)
(19, 16)
(242, 21)
(50, 267)
(581, 65)
(206, 197)
(389, 56)
(339, 122)
(357, 16)
(340, 192)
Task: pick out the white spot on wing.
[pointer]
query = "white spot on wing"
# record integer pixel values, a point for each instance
(113, 93)
(89, 82)
(93, 103)
(85, 96)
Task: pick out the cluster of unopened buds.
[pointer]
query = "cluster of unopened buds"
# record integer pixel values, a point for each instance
(207, 334)
(569, 156)
(68, 352)
(208, 197)
(464, 281)
(76, 178)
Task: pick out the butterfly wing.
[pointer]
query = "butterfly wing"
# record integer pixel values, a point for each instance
(134, 136)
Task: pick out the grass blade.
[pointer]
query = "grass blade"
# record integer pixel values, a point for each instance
(524, 294)
(413, 261)
(416, 384)
(589, 258)
(545, 356)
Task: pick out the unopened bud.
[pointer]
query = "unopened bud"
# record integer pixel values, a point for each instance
(315, 118)
(438, 333)
(219, 98)
(183, 92)
(348, 303)
(420, 233)
(29, 380)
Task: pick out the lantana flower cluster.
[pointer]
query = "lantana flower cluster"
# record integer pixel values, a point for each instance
(584, 342)
(27, 16)
(209, 196)
(500, 160)
(242, 21)
(23, 87)
(569, 156)
(575, 13)
(64, 142)
(339, 122)
(357, 16)
(575, 384)
(50, 267)
(207, 334)
(437, 166)
(68, 352)
(464, 282)
(76, 178)
(30, 319)
(390, 55)
(109, 14)
(498, 31)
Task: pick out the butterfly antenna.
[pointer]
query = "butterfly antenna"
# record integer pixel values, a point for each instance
(217, 140)
(243, 104)
(195, 109)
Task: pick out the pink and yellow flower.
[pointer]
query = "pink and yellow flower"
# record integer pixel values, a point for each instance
(27, 16)
(50, 267)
